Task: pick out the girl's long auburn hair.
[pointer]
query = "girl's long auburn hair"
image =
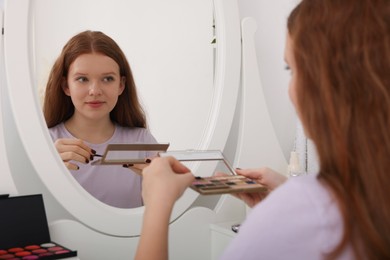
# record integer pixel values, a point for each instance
(342, 53)
(58, 107)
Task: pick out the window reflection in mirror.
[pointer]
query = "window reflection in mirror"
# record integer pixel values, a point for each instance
(169, 49)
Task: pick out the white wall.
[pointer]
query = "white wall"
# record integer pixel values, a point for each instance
(271, 17)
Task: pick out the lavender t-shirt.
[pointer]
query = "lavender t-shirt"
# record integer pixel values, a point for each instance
(112, 184)
(298, 220)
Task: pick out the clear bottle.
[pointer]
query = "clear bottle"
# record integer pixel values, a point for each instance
(294, 167)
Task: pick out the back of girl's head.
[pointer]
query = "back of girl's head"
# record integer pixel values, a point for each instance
(342, 54)
(58, 107)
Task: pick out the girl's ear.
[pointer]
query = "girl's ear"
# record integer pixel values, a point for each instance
(122, 85)
(64, 86)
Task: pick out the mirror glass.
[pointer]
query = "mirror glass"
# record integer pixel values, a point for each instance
(187, 112)
(167, 43)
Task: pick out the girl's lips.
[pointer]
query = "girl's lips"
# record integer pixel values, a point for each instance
(95, 104)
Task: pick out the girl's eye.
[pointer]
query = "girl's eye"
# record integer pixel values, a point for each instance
(81, 79)
(286, 67)
(108, 79)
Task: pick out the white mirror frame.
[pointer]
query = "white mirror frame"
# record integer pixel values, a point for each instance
(6, 185)
(38, 144)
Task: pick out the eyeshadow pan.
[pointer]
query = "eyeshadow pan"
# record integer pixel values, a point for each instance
(39, 251)
(48, 245)
(61, 252)
(23, 253)
(15, 249)
(55, 248)
(32, 247)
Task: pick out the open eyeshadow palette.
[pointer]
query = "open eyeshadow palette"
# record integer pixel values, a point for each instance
(214, 183)
(24, 230)
(225, 184)
(128, 153)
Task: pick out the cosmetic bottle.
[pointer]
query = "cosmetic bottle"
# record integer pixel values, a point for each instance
(294, 167)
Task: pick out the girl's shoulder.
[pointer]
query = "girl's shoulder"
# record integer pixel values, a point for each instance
(298, 220)
(59, 131)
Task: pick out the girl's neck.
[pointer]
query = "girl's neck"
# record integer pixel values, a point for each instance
(94, 132)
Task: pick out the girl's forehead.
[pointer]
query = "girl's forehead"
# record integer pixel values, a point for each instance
(94, 62)
(88, 57)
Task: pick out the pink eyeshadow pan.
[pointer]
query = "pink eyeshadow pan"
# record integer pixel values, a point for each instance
(55, 248)
(61, 252)
(39, 251)
(7, 256)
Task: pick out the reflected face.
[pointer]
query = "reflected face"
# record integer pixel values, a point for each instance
(289, 58)
(94, 85)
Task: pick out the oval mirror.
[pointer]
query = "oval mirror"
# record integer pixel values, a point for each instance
(187, 86)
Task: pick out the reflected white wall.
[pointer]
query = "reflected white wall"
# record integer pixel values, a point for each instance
(271, 17)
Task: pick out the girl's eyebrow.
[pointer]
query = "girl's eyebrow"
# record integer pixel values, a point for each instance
(78, 73)
(110, 73)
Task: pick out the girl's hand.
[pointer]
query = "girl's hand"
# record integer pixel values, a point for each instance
(138, 167)
(73, 150)
(264, 176)
(164, 181)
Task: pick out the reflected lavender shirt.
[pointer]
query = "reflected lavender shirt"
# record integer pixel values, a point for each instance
(112, 184)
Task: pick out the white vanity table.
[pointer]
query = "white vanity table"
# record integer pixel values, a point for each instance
(233, 116)
(221, 235)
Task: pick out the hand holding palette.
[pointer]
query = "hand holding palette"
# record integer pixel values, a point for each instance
(24, 231)
(216, 184)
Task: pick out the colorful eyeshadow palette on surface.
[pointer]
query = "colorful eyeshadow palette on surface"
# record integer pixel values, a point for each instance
(44, 251)
(24, 231)
(226, 184)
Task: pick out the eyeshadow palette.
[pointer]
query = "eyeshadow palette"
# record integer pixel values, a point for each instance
(31, 252)
(24, 231)
(226, 184)
(128, 153)
(216, 184)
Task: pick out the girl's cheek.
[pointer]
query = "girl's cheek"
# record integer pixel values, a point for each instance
(291, 92)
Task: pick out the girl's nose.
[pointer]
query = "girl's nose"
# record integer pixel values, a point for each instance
(94, 88)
